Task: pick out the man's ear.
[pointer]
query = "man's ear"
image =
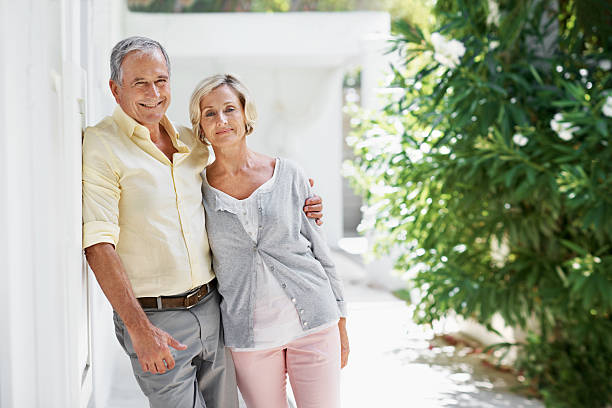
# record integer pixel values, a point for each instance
(114, 87)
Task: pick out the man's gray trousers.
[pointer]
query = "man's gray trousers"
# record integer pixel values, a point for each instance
(204, 375)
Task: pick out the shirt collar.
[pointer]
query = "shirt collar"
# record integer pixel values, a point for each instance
(131, 128)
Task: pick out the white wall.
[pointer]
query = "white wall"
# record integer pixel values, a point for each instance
(17, 338)
(45, 44)
(32, 258)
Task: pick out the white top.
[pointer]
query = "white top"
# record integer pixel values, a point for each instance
(275, 318)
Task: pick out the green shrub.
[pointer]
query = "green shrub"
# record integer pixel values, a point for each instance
(490, 172)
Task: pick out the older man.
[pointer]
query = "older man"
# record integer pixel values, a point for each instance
(145, 238)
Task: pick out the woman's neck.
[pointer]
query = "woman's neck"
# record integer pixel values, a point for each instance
(231, 160)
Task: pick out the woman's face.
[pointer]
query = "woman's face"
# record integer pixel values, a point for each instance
(222, 116)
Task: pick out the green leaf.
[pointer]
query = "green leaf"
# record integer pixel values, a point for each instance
(601, 127)
(566, 103)
(498, 89)
(574, 247)
(535, 74)
(509, 175)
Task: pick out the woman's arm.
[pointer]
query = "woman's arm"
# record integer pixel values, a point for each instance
(321, 252)
(344, 342)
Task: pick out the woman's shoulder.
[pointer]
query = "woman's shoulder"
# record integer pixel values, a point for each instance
(290, 167)
(207, 192)
(293, 173)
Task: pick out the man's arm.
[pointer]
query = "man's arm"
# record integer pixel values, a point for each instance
(101, 194)
(313, 206)
(150, 343)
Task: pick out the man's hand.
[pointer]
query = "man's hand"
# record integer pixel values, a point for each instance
(344, 342)
(313, 207)
(149, 342)
(151, 347)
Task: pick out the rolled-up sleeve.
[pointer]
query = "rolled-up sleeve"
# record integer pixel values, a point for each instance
(101, 193)
(320, 249)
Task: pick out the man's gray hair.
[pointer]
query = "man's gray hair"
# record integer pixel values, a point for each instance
(127, 45)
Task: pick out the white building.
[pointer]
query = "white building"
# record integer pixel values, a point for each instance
(57, 346)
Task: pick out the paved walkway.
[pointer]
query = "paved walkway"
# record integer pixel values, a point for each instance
(393, 362)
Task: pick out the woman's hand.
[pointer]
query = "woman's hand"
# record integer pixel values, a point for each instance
(344, 342)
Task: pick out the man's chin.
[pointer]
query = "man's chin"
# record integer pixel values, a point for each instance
(151, 118)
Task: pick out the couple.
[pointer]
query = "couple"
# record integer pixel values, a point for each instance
(158, 225)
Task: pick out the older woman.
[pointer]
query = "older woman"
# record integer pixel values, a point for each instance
(283, 307)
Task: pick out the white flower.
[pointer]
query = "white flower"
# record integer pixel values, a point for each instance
(493, 16)
(605, 65)
(348, 170)
(447, 53)
(564, 130)
(607, 108)
(414, 155)
(564, 135)
(493, 45)
(520, 140)
(460, 248)
(555, 123)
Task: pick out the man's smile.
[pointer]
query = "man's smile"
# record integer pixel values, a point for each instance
(151, 104)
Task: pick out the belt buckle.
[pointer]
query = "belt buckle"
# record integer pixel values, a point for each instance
(189, 296)
(160, 306)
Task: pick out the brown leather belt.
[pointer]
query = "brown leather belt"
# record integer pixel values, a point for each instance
(178, 302)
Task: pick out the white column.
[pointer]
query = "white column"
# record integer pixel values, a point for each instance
(374, 67)
(43, 346)
(17, 337)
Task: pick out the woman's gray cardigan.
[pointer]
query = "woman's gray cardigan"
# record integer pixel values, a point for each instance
(290, 244)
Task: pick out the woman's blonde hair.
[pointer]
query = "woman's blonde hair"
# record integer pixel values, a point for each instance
(206, 86)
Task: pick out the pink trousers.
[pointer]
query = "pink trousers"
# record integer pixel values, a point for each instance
(313, 365)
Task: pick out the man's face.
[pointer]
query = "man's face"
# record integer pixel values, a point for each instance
(144, 92)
